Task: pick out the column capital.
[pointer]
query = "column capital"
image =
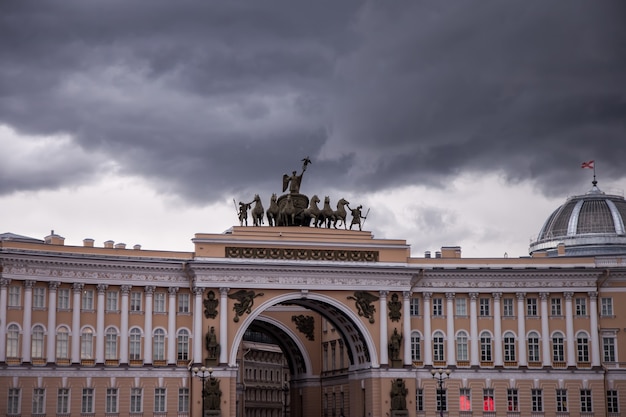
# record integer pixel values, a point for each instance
(29, 283)
(406, 294)
(473, 296)
(197, 290)
(427, 295)
(172, 290)
(568, 295)
(520, 295)
(4, 282)
(383, 293)
(78, 286)
(53, 285)
(102, 288)
(544, 295)
(497, 296)
(593, 295)
(224, 291)
(126, 289)
(450, 295)
(149, 289)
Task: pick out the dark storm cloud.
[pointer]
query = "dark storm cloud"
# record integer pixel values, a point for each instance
(219, 98)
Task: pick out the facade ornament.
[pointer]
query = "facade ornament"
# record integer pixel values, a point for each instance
(473, 296)
(172, 290)
(395, 308)
(197, 290)
(210, 305)
(306, 325)
(245, 302)
(212, 346)
(398, 398)
(78, 286)
(213, 395)
(593, 295)
(394, 345)
(126, 289)
(544, 296)
(53, 285)
(363, 302)
(520, 295)
(29, 283)
(568, 295)
(4, 282)
(149, 289)
(101, 288)
(450, 296)
(497, 296)
(427, 295)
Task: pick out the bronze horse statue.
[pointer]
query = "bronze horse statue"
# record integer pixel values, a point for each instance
(327, 213)
(257, 211)
(273, 211)
(288, 213)
(313, 212)
(340, 213)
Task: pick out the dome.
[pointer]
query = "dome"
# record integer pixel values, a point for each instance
(586, 225)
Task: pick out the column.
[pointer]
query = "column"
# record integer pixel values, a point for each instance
(521, 329)
(52, 321)
(474, 349)
(28, 319)
(4, 284)
(451, 352)
(497, 329)
(171, 326)
(78, 288)
(224, 325)
(197, 325)
(147, 335)
(545, 329)
(570, 345)
(100, 323)
(124, 311)
(428, 341)
(406, 326)
(593, 324)
(384, 354)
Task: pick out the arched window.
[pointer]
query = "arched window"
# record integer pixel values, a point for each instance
(558, 347)
(582, 347)
(36, 342)
(63, 342)
(183, 345)
(158, 345)
(110, 344)
(462, 352)
(134, 345)
(13, 341)
(533, 347)
(86, 343)
(485, 347)
(416, 346)
(438, 352)
(509, 347)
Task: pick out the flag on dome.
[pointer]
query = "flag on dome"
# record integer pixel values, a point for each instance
(588, 164)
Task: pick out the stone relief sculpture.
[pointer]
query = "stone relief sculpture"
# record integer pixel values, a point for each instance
(363, 303)
(306, 325)
(245, 302)
(210, 305)
(212, 346)
(394, 345)
(398, 398)
(213, 394)
(395, 306)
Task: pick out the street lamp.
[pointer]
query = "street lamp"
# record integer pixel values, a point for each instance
(203, 373)
(285, 391)
(440, 375)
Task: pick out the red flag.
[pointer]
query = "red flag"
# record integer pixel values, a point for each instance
(587, 164)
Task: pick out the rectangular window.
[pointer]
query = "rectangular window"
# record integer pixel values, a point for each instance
(581, 307)
(39, 297)
(512, 399)
(555, 307)
(63, 299)
(86, 404)
(582, 347)
(536, 396)
(414, 307)
(136, 400)
(437, 307)
(13, 405)
(608, 347)
(183, 303)
(159, 302)
(110, 405)
(183, 400)
(15, 296)
(63, 401)
(39, 396)
(465, 399)
(607, 307)
(484, 310)
(507, 307)
(461, 307)
(419, 399)
(509, 348)
(87, 300)
(111, 302)
(612, 401)
(135, 301)
(531, 307)
(488, 400)
(585, 401)
(159, 400)
(442, 400)
(561, 400)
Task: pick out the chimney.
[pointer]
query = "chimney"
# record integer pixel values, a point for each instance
(88, 243)
(560, 249)
(137, 247)
(54, 239)
(438, 254)
(427, 254)
(109, 244)
(451, 251)
(120, 246)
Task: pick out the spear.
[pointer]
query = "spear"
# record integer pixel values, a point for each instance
(365, 218)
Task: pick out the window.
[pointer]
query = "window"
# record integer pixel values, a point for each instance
(87, 300)
(531, 307)
(183, 400)
(585, 401)
(509, 347)
(485, 347)
(111, 401)
(419, 399)
(158, 345)
(437, 307)
(608, 347)
(63, 299)
(582, 347)
(461, 307)
(63, 341)
(607, 307)
(39, 297)
(558, 347)
(63, 401)
(555, 307)
(135, 344)
(488, 400)
(110, 343)
(159, 400)
(533, 347)
(512, 399)
(136, 400)
(536, 396)
(15, 296)
(612, 401)
(442, 400)
(135, 301)
(183, 345)
(416, 346)
(39, 397)
(561, 400)
(13, 341)
(438, 353)
(13, 405)
(36, 342)
(159, 302)
(111, 301)
(183, 303)
(414, 307)
(484, 310)
(462, 353)
(465, 399)
(581, 307)
(86, 343)
(86, 404)
(507, 307)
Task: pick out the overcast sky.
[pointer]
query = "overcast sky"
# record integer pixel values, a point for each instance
(454, 123)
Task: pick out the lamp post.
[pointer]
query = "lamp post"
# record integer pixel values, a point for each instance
(440, 375)
(285, 391)
(203, 373)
